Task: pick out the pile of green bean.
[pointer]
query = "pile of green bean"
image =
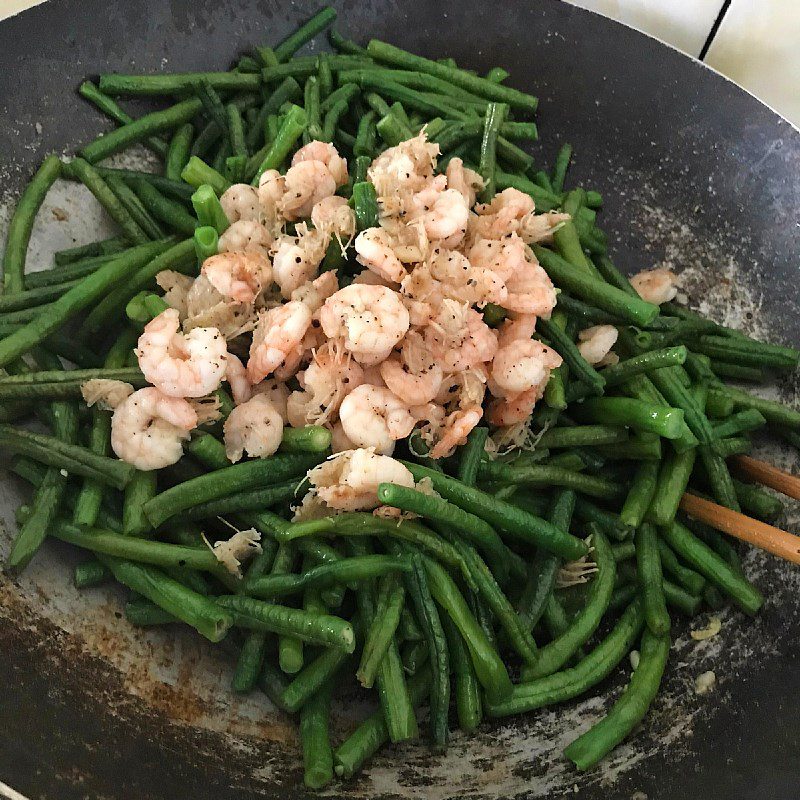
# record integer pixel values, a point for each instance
(462, 605)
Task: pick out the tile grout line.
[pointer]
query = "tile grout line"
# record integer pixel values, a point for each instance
(714, 30)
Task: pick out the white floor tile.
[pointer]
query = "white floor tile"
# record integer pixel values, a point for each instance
(758, 46)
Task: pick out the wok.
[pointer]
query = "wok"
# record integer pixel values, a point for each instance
(695, 173)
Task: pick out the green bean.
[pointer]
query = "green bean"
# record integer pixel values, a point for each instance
(641, 494)
(581, 436)
(720, 478)
(609, 523)
(673, 478)
(736, 445)
(648, 567)
(629, 709)
(593, 291)
(197, 173)
(315, 738)
(322, 630)
(342, 45)
(250, 662)
(223, 482)
(209, 210)
(645, 417)
(708, 563)
(141, 488)
(471, 527)
(544, 199)
(545, 475)
(176, 83)
(179, 150)
(19, 229)
(738, 372)
(169, 211)
(555, 654)
(90, 178)
(135, 208)
(560, 169)
(104, 247)
(489, 668)
(748, 419)
(333, 115)
(365, 205)
(575, 681)
(90, 573)
(691, 581)
(757, 502)
(493, 119)
(578, 366)
(311, 678)
(775, 413)
(414, 656)
(310, 439)
(471, 455)
(467, 689)
(623, 551)
(311, 108)
(144, 613)
(381, 629)
(645, 362)
(305, 33)
(515, 522)
(426, 612)
(196, 610)
(747, 352)
(179, 257)
(292, 128)
(61, 384)
(29, 298)
(381, 51)
(365, 135)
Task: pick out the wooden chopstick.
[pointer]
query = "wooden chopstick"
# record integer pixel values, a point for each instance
(750, 530)
(767, 475)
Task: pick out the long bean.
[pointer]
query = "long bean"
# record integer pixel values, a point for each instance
(381, 629)
(315, 738)
(176, 83)
(648, 564)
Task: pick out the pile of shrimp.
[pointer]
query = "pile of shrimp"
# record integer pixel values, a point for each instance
(399, 346)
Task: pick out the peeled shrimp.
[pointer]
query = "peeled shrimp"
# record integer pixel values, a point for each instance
(465, 181)
(105, 393)
(522, 365)
(239, 275)
(457, 426)
(656, 285)
(459, 338)
(507, 212)
(278, 333)
(412, 374)
(541, 227)
(176, 288)
(271, 188)
(444, 214)
(190, 365)
(206, 307)
(332, 216)
(519, 326)
(246, 234)
(339, 440)
(371, 319)
(254, 427)
(236, 376)
(148, 428)
(328, 155)
(403, 168)
(315, 293)
(374, 417)
(374, 251)
(240, 201)
(349, 481)
(277, 392)
(460, 280)
(307, 182)
(297, 259)
(530, 291)
(596, 342)
(502, 412)
(503, 256)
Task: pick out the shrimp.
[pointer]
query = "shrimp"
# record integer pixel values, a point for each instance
(444, 214)
(460, 280)
(271, 188)
(240, 276)
(190, 365)
(277, 393)
(148, 428)
(206, 307)
(374, 251)
(105, 392)
(503, 256)
(307, 182)
(541, 227)
(518, 326)
(506, 213)
(595, 343)
(240, 201)
(315, 293)
(372, 320)
(369, 278)
(277, 334)
(502, 412)
(656, 285)
(459, 338)
(455, 429)
(332, 216)
(530, 291)
(328, 155)
(176, 288)
(413, 374)
(255, 427)
(349, 481)
(236, 376)
(339, 440)
(297, 259)
(522, 365)
(465, 181)
(374, 417)
(246, 234)
(407, 167)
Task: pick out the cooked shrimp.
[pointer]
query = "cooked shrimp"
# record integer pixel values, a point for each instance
(444, 214)
(541, 227)
(374, 251)
(246, 234)
(297, 259)
(407, 167)
(374, 417)
(254, 427)
(530, 291)
(236, 376)
(505, 214)
(206, 307)
(240, 201)
(315, 293)
(503, 256)
(176, 288)
(278, 333)
(239, 275)
(328, 155)
(457, 426)
(522, 365)
(277, 392)
(518, 326)
(656, 285)
(369, 278)
(332, 216)
(371, 319)
(349, 481)
(339, 440)
(502, 412)
(460, 280)
(307, 182)
(190, 365)
(465, 181)
(459, 338)
(596, 342)
(104, 392)
(412, 374)
(271, 188)
(148, 428)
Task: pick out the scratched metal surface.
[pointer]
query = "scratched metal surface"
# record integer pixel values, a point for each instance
(696, 174)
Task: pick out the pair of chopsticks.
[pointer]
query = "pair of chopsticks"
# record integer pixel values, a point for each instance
(767, 537)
